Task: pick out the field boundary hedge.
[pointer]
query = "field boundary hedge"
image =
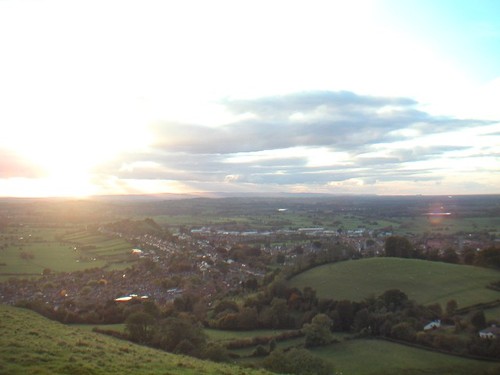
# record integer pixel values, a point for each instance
(441, 351)
(262, 340)
(479, 306)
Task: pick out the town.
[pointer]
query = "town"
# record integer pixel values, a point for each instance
(198, 257)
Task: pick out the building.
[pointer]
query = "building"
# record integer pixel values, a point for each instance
(492, 332)
(435, 324)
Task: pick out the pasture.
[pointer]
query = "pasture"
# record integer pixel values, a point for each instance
(447, 225)
(370, 357)
(493, 314)
(374, 357)
(423, 281)
(28, 251)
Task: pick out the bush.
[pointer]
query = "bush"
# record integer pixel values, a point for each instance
(260, 351)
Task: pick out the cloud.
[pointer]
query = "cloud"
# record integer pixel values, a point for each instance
(13, 165)
(340, 120)
(312, 138)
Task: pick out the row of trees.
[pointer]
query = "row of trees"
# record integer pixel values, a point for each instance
(401, 247)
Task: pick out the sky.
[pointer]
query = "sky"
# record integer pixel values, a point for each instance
(341, 97)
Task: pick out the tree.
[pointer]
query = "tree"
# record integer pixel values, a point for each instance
(345, 311)
(489, 257)
(450, 256)
(280, 258)
(226, 306)
(276, 315)
(478, 320)
(451, 307)
(469, 256)
(403, 331)
(251, 284)
(397, 246)
(140, 326)
(248, 318)
(362, 320)
(179, 335)
(394, 299)
(318, 332)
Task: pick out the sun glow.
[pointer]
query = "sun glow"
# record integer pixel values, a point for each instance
(66, 156)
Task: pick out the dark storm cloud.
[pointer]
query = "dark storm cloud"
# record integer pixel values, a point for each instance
(12, 165)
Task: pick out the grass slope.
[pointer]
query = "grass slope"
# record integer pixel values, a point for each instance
(424, 281)
(31, 344)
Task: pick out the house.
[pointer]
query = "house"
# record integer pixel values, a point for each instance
(435, 324)
(492, 332)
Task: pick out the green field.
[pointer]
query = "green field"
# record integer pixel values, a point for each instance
(373, 357)
(58, 249)
(424, 281)
(447, 225)
(332, 221)
(493, 314)
(31, 344)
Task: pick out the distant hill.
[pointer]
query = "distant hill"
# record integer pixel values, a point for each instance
(31, 344)
(424, 281)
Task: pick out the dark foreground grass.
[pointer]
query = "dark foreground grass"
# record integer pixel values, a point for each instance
(424, 281)
(31, 344)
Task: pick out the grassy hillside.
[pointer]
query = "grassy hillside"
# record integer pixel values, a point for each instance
(424, 281)
(31, 344)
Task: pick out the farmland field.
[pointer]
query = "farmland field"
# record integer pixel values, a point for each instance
(447, 225)
(424, 281)
(493, 314)
(31, 344)
(28, 251)
(373, 357)
(370, 357)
